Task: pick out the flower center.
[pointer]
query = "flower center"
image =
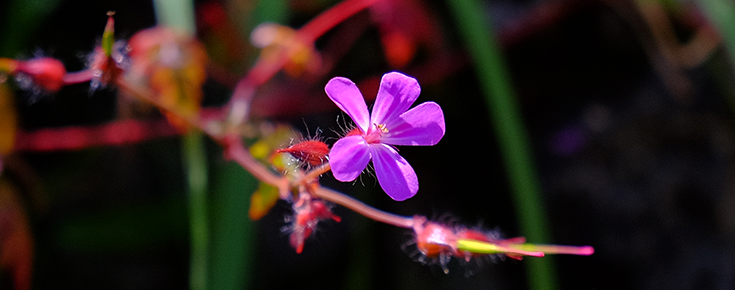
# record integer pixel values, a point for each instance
(373, 135)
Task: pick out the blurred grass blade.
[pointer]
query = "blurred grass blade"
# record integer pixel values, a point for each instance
(499, 97)
(195, 166)
(176, 13)
(231, 251)
(271, 11)
(721, 13)
(180, 14)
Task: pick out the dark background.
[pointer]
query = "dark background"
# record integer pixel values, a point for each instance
(632, 161)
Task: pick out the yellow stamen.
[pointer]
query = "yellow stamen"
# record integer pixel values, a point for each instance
(381, 128)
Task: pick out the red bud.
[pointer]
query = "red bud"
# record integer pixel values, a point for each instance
(45, 72)
(311, 152)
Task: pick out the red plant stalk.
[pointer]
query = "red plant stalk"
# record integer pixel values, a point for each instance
(239, 104)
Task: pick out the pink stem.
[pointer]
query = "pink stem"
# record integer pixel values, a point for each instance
(263, 70)
(556, 249)
(115, 133)
(363, 209)
(239, 154)
(77, 138)
(330, 18)
(83, 76)
(317, 171)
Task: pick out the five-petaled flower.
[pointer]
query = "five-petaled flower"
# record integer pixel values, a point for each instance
(390, 123)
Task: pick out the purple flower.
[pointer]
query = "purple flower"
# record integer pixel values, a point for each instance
(391, 123)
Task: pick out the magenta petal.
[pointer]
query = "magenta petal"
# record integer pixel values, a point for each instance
(348, 157)
(396, 94)
(345, 94)
(422, 125)
(395, 175)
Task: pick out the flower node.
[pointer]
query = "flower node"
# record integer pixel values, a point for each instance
(434, 239)
(106, 68)
(308, 212)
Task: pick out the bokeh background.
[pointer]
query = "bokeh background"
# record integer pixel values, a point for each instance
(627, 107)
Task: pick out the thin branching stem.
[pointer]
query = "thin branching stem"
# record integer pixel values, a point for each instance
(79, 77)
(236, 151)
(239, 104)
(363, 209)
(314, 173)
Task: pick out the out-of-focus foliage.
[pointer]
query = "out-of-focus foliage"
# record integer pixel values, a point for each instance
(16, 242)
(265, 197)
(172, 64)
(8, 121)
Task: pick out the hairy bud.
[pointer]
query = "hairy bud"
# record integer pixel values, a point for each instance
(44, 72)
(311, 152)
(308, 213)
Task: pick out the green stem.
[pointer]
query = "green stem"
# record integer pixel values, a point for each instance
(196, 171)
(180, 14)
(470, 16)
(722, 16)
(232, 232)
